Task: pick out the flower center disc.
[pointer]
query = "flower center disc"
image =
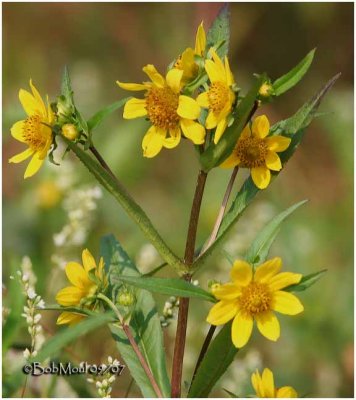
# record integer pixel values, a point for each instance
(255, 298)
(34, 133)
(218, 96)
(162, 105)
(252, 152)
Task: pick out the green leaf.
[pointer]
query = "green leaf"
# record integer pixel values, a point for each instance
(155, 270)
(98, 117)
(293, 127)
(169, 286)
(258, 251)
(219, 33)
(136, 213)
(291, 78)
(78, 310)
(218, 358)
(215, 154)
(15, 304)
(66, 86)
(144, 323)
(306, 282)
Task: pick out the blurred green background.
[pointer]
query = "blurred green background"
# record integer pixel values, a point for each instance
(101, 43)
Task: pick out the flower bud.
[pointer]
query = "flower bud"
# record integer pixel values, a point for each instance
(126, 299)
(265, 90)
(70, 131)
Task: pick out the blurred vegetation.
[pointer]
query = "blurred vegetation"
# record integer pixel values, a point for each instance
(103, 42)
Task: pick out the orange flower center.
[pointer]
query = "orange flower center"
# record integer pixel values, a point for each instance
(34, 132)
(161, 106)
(255, 298)
(251, 151)
(218, 96)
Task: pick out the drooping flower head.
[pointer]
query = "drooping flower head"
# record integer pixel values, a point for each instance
(35, 130)
(254, 296)
(87, 281)
(258, 151)
(169, 112)
(186, 61)
(264, 386)
(220, 97)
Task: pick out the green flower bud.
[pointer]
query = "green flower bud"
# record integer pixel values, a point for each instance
(70, 131)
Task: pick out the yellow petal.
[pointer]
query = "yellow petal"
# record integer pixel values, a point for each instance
(268, 382)
(278, 143)
(287, 392)
(29, 103)
(88, 260)
(152, 142)
(39, 99)
(213, 72)
(283, 280)
(135, 108)
(77, 275)
(267, 270)
(229, 76)
(228, 291)
(220, 129)
(222, 312)
(211, 121)
(99, 273)
(69, 318)
(241, 329)
(231, 161)
(70, 296)
(21, 156)
(256, 381)
(188, 108)
(268, 325)
(273, 162)
(134, 87)
(241, 273)
(260, 127)
(219, 64)
(203, 100)
(261, 177)
(154, 75)
(17, 131)
(173, 139)
(286, 303)
(193, 131)
(173, 78)
(34, 165)
(200, 40)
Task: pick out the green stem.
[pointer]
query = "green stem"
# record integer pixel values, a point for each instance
(134, 345)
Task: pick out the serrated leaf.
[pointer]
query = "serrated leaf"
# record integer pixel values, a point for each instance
(218, 358)
(306, 282)
(215, 154)
(293, 127)
(98, 117)
(219, 32)
(144, 323)
(129, 205)
(168, 286)
(258, 251)
(291, 78)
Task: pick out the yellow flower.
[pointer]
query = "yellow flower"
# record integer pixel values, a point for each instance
(264, 386)
(168, 111)
(84, 288)
(35, 131)
(255, 296)
(220, 98)
(186, 61)
(256, 151)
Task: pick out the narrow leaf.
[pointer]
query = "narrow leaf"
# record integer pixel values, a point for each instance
(144, 323)
(218, 358)
(291, 78)
(215, 154)
(219, 33)
(168, 286)
(258, 251)
(136, 213)
(66, 86)
(97, 118)
(306, 282)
